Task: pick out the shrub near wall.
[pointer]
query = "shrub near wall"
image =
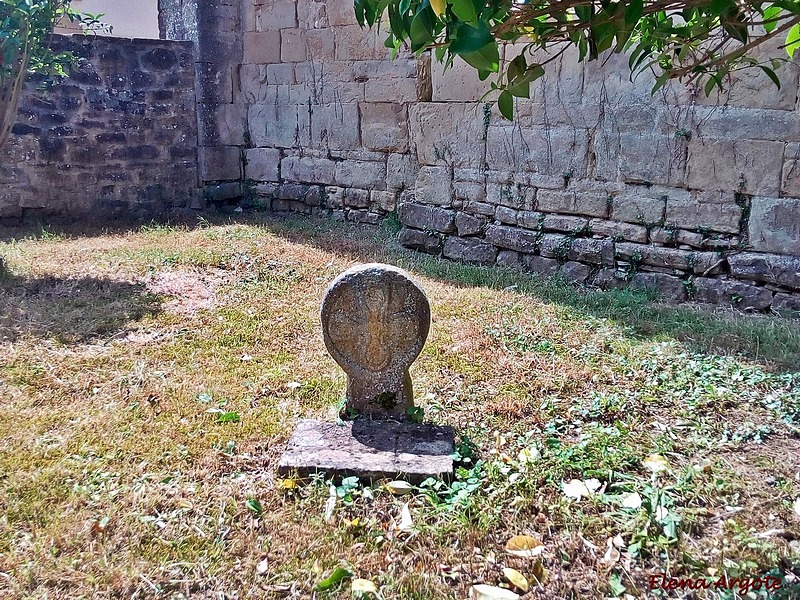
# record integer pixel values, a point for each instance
(596, 179)
(116, 139)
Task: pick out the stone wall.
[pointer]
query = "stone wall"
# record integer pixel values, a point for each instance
(116, 139)
(596, 179)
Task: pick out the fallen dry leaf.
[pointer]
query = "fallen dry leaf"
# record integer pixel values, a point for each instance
(524, 546)
(517, 579)
(490, 592)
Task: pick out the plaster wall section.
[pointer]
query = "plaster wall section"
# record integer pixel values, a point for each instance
(597, 179)
(117, 139)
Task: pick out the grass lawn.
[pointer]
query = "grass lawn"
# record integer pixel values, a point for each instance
(150, 378)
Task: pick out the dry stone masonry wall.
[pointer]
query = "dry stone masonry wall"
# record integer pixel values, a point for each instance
(694, 197)
(116, 139)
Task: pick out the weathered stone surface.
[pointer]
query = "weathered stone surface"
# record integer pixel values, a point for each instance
(434, 186)
(430, 243)
(308, 170)
(667, 287)
(469, 250)
(384, 126)
(385, 201)
(750, 166)
(564, 224)
(554, 245)
(715, 211)
(220, 163)
(591, 204)
(420, 216)
(596, 252)
(469, 225)
(401, 171)
(262, 164)
(335, 126)
(774, 225)
(469, 191)
(615, 230)
(735, 293)
(356, 198)
(668, 258)
(435, 138)
(479, 208)
(293, 45)
(375, 320)
(458, 83)
(609, 279)
(362, 174)
(262, 47)
(508, 259)
(787, 305)
(575, 271)
(540, 264)
(369, 450)
(768, 268)
(512, 238)
(644, 205)
(506, 215)
(363, 216)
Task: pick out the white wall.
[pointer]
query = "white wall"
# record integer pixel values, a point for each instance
(129, 18)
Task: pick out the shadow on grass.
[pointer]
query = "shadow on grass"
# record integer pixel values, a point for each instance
(70, 310)
(766, 339)
(771, 341)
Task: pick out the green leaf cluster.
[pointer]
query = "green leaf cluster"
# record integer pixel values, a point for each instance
(699, 41)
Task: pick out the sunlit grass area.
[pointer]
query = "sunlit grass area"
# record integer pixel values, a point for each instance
(149, 380)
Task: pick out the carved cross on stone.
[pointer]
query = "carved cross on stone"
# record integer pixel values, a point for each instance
(375, 321)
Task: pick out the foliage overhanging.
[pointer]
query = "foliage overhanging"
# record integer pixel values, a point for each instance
(700, 41)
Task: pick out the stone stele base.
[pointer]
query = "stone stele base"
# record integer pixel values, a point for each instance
(370, 450)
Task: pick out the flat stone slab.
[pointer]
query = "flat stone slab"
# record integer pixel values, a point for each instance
(370, 450)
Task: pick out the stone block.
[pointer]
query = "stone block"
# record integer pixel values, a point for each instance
(385, 201)
(370, 450)
(220, 163)
(668, 287)
(609, 279)
(734, 293)
(469, 225)
(335, 126)
(459, 83)
(615, 230)
(469, 250)
(508, 259)
(715, 211)
(790, 176)
(635, 158)
(312, 14)
(363, 216)
(645, 205)
(262, 47)
(479, 208)
(552, 151)
(512, 238)
(530, 219)
(434, 186)
(420, 216)
(308, 170)
(749, 166)
(554, 245)
(276, 125)
(562, 223)
(334, 197)
(384, 127)
(591, 204)
(506, 215)
(262, 164)
(272, 15)
(540, 264)
(401, 171)
(354, 43)
(430, 243)
(222, 191)
(786, 305)
(367, 175)
(393, 89)
(575, 271)
(669, 258)
(293, 45)
(221, 124)
(320, 44)
(469, 191)
(596, 252)
(341, 13)
(436, 139)
(730, 122)
(767, 268)
(774, 225)
(355, 198)
(507, 194)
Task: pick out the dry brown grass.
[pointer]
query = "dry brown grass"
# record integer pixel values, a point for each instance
(116, 480)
